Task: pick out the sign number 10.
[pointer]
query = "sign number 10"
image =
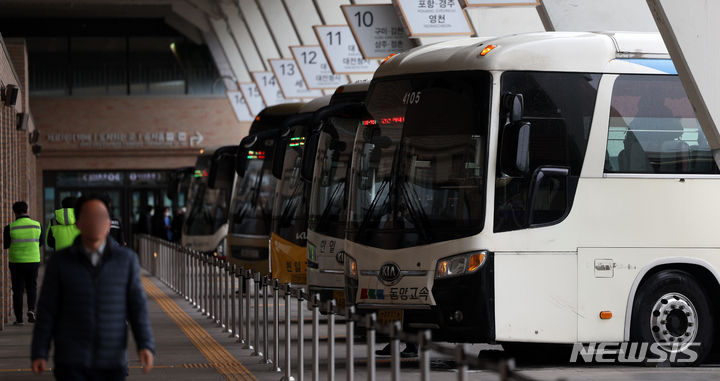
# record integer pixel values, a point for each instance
(364, 19)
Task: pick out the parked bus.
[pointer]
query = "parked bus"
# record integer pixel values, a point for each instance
(288, 238)
(251, 205)
(205, 226)
(327, 165)
(536, 188)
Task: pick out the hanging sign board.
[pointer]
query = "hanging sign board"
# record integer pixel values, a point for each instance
(290, 80)
(252, 96)
(342, 51)
(242, 112)
(315, 69)
(434, 18)
(269, 88)
(377, 29)
(498, 3)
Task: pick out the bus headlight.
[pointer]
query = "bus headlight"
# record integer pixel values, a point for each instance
(460, 264)
(350, 267)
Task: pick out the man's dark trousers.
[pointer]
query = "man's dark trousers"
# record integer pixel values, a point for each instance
(24, 278)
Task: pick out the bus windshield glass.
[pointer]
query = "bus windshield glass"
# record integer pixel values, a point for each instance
(328, 214)
(208, 207)
(419, 164)
(252, 203)
(289, 212)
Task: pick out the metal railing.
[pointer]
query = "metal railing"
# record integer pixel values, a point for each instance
(210, 285)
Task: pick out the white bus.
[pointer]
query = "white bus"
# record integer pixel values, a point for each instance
(326, 164)
(206, 223)
(536, 188)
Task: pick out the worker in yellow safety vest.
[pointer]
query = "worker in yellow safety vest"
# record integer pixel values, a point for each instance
(62, 231)
(22, 237)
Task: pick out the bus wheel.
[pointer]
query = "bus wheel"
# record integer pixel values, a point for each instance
(672, 315)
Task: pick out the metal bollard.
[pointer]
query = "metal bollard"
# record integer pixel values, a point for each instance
(248, 279)
(206, 284)
(350, 343)
(331, 340)
(241, 283)
(287, 376)
(213, 289)
(460, 361)
(424, 348)
(316, 338)
(371, 319)
(300, 336)
(276, 325)
(225, 297)
(231, 275)
(256, 341)
(395, 350)
(266, 290)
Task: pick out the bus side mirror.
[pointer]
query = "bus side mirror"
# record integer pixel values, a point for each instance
(279, 158)
(515, 106)
(308, 159)
(515, 157)
(548, 202)
(241, 162)
(173, 185)
(222, 172)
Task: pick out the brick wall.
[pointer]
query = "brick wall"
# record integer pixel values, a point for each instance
(17, 171)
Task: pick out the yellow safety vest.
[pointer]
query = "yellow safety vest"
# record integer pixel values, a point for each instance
(25, 241)
(65, 231)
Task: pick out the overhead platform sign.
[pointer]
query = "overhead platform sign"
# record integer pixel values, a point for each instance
(252, 96)
(315, 68)
(290, 80)
(434, 18)
(377, 29)
(341, 50)
(242, 112)
(269, 88)
(498, 3)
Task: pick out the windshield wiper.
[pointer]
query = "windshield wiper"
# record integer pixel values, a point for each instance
(331, 201)
(373, 204)
(417, 212)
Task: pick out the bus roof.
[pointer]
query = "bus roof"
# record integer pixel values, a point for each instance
(352, 92)
(273, 117)
(597, 52)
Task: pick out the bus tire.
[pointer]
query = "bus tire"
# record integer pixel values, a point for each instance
(671, 313)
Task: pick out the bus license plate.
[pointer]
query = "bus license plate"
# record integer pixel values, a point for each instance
(389, 316)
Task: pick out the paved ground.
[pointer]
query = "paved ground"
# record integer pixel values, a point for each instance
(192, 347)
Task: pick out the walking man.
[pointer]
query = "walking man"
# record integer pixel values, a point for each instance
(23, 238)
(62, 231)
(89, 292)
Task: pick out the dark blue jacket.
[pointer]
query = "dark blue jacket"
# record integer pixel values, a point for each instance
(84, 309)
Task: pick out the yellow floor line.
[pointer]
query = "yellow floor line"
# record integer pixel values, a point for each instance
(222, 360)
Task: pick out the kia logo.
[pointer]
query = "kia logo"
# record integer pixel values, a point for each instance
(340, 257)
(389, 273)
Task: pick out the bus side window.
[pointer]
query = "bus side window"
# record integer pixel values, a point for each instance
(653, 129)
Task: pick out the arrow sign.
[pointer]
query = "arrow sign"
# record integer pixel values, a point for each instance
(196, 140)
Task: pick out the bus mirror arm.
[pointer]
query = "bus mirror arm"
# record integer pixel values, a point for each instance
(540, 175)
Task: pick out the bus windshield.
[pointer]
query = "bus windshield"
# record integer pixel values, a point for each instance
(289, 213)
(419, 165)
(327, 203)
(208, 207)
(252, 203)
